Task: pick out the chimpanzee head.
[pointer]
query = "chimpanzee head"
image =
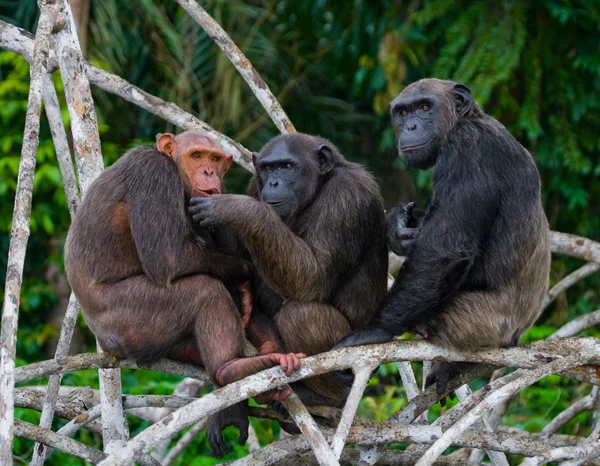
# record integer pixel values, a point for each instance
(423, 115)
(200, 161)
(291, 169)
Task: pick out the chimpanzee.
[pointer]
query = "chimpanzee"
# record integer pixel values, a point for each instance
(150, 286)
(477, 272)
(314, 226)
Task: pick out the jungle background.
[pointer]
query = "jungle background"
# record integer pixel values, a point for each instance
(334, 66)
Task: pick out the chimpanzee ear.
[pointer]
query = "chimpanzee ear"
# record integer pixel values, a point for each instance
(463, 99)
(166, 144)
(325, 158)
(255, 158)
(228, 159)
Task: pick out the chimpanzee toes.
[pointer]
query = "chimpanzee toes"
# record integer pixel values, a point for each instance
(216, 442)
(290, 428)
(280, 409)
(365, 337)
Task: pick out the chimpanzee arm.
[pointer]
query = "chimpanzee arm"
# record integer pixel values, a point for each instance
(162, 232)
(450, 240)
(302, 268)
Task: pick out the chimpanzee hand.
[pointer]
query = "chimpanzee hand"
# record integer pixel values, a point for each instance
(365, 336)
(236, 416)
(402, 226)
(201, 210)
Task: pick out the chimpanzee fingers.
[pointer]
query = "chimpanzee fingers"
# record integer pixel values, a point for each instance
(406, 233)
(280, 409)
(407, 245)
(217, 444)
(282, 393)
(243, 425)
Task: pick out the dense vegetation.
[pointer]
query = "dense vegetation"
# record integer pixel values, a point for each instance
(534, 65)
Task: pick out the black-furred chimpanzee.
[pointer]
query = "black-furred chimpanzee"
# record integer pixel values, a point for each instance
(150, 286)
(314, 226)
(477, 273)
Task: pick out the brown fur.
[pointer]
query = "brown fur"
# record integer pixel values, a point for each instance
(322, 269)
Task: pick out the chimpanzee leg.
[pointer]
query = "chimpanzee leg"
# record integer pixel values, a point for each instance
(453, 327)
(313, 328)
(137, 319)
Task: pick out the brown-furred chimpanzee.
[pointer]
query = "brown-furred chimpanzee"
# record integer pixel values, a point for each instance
(151, 286)
(477, 273)
(314, 226)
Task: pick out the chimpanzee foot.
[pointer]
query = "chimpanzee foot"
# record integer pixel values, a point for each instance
(422, 330)
(237, 416)
(237, 369)
(365, 336)
(440, 374)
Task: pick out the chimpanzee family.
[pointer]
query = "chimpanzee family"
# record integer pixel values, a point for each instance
(165, 264)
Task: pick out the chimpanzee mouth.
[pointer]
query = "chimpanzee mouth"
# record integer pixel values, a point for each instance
(278, 202)
(409, 148)
(208, 192)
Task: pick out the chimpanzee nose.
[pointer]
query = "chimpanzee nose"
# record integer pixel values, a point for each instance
(209, 171)
(273, 183)
(411, 126)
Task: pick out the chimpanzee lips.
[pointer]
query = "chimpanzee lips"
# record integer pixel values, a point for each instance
(416, 146)
(208, 192)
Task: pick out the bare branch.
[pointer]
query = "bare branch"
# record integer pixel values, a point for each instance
(358, 387)
(583, 404)
(60, 442)
(526, 378)
(19, 235)
(570, 280)
(578, 325)
(20, 41)
(241, 63)
(575, 246)
(183, 443)
(102, 360)
(309, 428)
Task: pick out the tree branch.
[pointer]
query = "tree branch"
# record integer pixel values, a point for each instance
(19, 235)
(241, 63)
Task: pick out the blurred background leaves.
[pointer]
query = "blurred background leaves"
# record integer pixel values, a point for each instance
(334, 66)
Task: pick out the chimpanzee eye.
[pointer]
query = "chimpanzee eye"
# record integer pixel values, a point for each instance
(196, 155)
(216, 158)
(288, 166)
(403, 113)
(425, 107)
(267, 167)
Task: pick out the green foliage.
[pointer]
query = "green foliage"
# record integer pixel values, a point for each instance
(533, 65)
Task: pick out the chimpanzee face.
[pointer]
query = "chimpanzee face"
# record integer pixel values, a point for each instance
(290, 176)
(423, 115)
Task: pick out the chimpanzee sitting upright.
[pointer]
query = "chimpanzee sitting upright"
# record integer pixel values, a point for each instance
(150, 286)
(477, 273)
(315, 228)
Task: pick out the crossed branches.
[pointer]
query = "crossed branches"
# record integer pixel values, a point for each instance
(326, 430)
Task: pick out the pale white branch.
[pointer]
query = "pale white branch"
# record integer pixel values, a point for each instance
(241, 63)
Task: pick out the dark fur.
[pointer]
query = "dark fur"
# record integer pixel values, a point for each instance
(478, 271)
(322, 271)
